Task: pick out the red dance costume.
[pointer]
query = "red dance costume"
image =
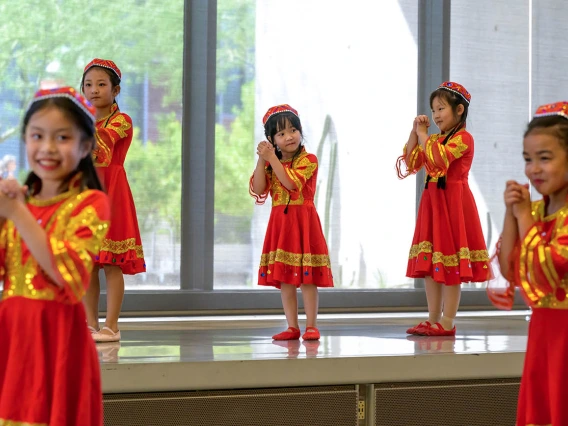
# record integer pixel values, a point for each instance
(294, 251)
(123, 245)
(448, 243)
(539, 266)
(49, 369)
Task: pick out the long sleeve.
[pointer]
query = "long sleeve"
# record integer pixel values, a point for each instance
(438, 157)
(543, 262)
(75, 243)
(413, 165)
(260, 199)
(301, 171)
(108, 134)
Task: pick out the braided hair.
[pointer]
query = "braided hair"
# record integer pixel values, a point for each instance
(453, 100)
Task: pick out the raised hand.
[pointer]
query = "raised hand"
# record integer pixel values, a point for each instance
(11, 194)
(421, 124)
(265, 150)
(517, 198)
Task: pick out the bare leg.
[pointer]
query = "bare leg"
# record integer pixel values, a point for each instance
(452, 295)
(289, 296)
(310, 296)
(115, 295)
(91, 300)
(434, 298)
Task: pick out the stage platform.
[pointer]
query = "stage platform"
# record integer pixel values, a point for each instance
(357, 351)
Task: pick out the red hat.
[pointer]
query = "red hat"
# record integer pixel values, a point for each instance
(69, 93)
(557, 108)
(105, 64)
(456, 88)
(277, 110)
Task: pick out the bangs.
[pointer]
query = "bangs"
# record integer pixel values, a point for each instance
(285, 119)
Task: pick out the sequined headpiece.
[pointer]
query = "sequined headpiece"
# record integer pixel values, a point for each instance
(66, 92)
(557, 108)
(105, 64)
(277, 110)
(456, 88)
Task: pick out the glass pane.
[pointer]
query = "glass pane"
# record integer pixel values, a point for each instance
(145, 38)
(355, 91)
(548, 74)
(499, 87)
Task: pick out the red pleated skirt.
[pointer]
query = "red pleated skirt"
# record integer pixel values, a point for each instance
(542, 398)
(295, 251)
(49, 369)
(448, 243)
(122, 246)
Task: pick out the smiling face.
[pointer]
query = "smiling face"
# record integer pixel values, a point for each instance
(444, 115)
(287, 139)
(54, 147)
(546, 164)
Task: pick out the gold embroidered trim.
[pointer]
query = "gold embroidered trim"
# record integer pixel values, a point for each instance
(295, 259)
(54, 200)
(122, 127)
(21, 276)
(119, 247)
(532, 246)
(299, 172)
(6, 422)
(448, 260)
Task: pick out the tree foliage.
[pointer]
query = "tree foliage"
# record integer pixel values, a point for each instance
(50, 42)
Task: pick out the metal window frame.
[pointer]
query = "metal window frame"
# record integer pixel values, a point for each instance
(196, 294)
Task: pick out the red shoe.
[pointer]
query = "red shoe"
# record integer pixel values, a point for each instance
(312, 333)
(420, 329)
(290, 334)
(438, 330)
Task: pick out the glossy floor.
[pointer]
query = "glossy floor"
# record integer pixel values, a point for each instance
(229, 352)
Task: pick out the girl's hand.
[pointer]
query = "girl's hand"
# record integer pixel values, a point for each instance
(518, 199)
(9, 204)
(512, 194)
(265, 150)
(13, 189)
(523, 207)
(421, 124)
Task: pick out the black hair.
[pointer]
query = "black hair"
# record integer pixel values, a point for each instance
(277, 123)
(84, 123)
(453, 100)
(554, 125)
(114, 81)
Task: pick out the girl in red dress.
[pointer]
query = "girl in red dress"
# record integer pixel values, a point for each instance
(121, 252)
(52, 228)
(295, 252)
(448, 247)
(533, 255)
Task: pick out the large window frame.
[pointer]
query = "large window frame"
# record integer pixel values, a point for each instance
(196, 294)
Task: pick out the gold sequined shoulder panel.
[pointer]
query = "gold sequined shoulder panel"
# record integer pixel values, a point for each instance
(303, 172)
(75, 229)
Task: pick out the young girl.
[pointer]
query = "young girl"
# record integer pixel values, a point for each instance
(52, 228)
(294, 253)
(448, 246)
(533, 255)
(121, 252)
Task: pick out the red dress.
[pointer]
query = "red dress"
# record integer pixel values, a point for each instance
(123, 245)
(539, 266)
(49, 369)
(448, 243)
(294, 251)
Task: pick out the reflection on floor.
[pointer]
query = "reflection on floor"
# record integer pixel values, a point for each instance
(237, 352)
